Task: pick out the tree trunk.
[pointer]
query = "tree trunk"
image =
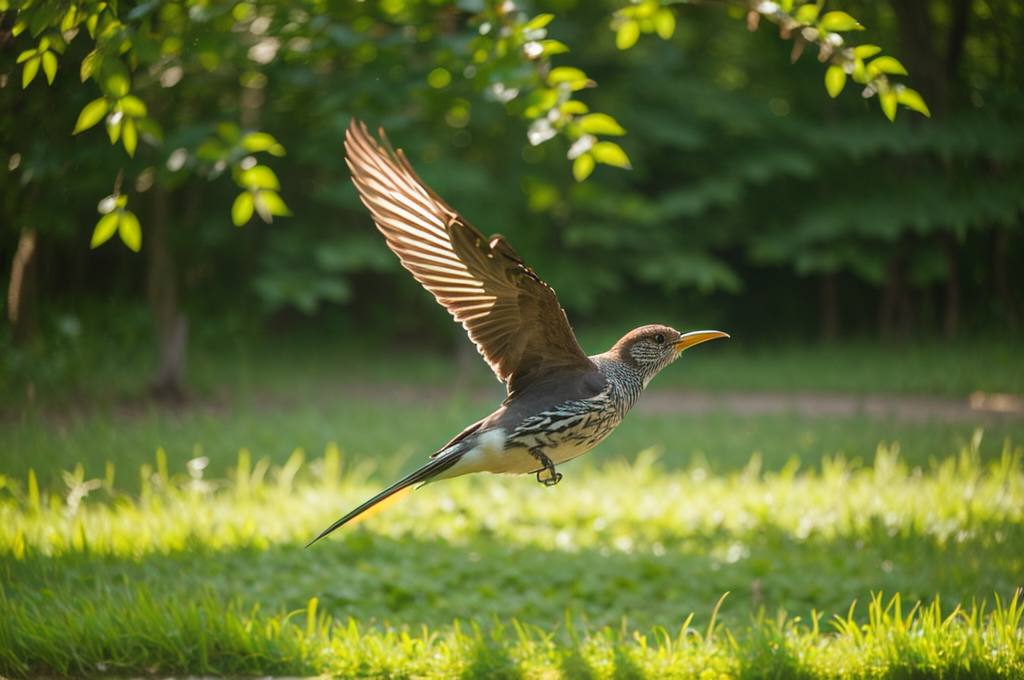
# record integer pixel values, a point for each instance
(162, 291)
(951, 318)
(829, 298)
(21, 291)
(1000, 249)
(918, 51)
(896, 307)
(887, 303)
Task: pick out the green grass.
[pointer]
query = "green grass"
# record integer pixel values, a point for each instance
(396, 434)
(106, 569)
(597, 577)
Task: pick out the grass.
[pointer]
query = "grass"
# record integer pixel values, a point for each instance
(396, 434)
(194, 563)
(108, 370)
(198, 575)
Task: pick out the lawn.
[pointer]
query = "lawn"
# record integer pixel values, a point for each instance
(206, 576)
(141, 541)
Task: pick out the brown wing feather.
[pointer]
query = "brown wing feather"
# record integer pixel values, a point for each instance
(513, 317)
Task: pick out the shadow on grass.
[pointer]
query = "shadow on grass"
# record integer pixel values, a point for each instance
(386, 581)
(492, 660)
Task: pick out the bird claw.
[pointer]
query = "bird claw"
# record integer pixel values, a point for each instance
(552, 478)
(547, 475)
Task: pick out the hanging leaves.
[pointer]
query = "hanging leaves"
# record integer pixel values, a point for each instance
(117, 218)
(835, 80)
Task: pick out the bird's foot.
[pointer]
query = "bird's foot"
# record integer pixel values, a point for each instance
(547, 475)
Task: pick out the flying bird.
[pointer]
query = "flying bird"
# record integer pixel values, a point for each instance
(561, 403)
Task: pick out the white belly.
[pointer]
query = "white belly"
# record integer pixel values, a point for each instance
(498, 453)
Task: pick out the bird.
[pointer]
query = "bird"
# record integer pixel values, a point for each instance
(561, 403)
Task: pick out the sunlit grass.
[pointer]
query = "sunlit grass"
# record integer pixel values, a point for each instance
(204, 575)
(625, 507)
(136, 634)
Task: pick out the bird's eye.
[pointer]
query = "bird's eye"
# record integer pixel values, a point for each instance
(660, 339)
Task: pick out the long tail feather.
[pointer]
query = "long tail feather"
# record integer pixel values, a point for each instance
(392, 494)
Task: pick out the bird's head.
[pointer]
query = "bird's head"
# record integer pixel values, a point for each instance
(651, 348)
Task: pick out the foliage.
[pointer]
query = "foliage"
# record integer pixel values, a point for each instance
(742, 168)
(98, 581)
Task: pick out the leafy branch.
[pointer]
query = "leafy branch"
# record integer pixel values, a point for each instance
(805, 24)
(150, 40)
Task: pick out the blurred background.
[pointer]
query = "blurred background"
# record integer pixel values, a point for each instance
(842, 252)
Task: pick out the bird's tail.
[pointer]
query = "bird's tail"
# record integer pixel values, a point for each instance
(393, 493)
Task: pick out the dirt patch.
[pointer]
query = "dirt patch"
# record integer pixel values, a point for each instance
(985, 408)
(978, 408)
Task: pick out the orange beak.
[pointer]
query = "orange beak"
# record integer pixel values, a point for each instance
(696, 337)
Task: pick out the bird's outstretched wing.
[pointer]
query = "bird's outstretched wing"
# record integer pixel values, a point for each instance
(513, 317)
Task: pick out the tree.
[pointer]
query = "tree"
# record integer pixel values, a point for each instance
(196, 91)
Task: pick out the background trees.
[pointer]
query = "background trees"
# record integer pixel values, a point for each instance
(754, 200)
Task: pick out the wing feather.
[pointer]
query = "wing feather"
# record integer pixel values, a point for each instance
(513, 317)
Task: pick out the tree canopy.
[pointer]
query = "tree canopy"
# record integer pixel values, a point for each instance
(733, 176)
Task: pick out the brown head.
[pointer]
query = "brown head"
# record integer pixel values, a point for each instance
(649, 349)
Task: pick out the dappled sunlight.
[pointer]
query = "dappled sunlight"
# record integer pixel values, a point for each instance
(620, 507)
(218, 564)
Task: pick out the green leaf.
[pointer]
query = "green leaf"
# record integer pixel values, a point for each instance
(241, 210)
(89, 64)
(261, 207)
(573, 107)
(31, 69)
(567, 74)
(839, 21)
(912, 100)
(26, 55)
(552, 47)
(105, 228)
(888, 101)
(271, 203)
(540, 101)
(600, 124)
(229, 132)
(129, 136)
(130, 230)
(276, 150)
(258, 141)
(114, 130)
(50, 66)
(133, 106)
(665, 23)
(91, 114)
(439, 78)
(807, 13)
(835, 80)
(860, 74)
(610, 153)
(539, 21)
(865, 51)
(68, 22)
(582, 167)
(114, 78)
(886, 65)
(626, 37)
(259, 177)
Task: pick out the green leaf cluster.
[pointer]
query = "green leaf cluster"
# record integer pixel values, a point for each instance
(117, 219)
